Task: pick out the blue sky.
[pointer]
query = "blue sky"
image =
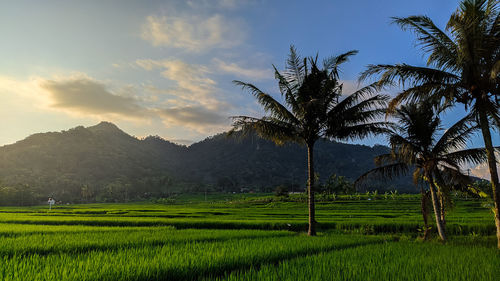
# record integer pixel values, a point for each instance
(165, 67)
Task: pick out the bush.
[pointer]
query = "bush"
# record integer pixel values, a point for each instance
(281, 191)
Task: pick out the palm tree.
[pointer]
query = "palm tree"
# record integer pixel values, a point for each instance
(418, 147)
(313, 109)
(463, 66)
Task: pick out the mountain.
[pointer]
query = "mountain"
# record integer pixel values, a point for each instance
(254, 161)
(104, 163)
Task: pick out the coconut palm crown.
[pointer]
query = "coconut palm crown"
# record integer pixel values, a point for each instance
(313, 108)
(419, 146)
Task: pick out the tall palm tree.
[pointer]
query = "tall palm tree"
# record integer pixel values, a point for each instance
(314, 108)
(419, 146)
(463, 66)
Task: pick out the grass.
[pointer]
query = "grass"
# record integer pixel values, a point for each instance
(130, 237)
(243, 238)
(171, 261)
(363, 216)
(388, 261)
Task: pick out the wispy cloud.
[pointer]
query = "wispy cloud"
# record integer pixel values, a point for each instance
(225, 4)
(196, 101)
(193, 32)
(240, 71)
(193, 83)
(196, 117)
(197, 104)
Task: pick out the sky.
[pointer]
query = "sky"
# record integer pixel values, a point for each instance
(166, 67)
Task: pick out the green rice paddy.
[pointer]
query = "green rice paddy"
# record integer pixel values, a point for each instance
(237, 238)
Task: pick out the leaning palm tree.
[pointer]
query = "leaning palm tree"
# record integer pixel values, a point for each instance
(419, 146)
(313, 108)
(463, 66)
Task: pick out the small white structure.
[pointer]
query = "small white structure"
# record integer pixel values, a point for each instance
(51, 202)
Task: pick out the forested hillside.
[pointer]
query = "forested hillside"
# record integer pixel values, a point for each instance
(103, 163)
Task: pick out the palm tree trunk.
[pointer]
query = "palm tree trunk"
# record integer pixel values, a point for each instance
(442, 204)
(490, 153)
(425, 215)
(310, 189)
(437, 210)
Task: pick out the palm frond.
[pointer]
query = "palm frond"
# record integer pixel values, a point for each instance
(333, 63)
(358, 131)
(417, 175)
(270, 105)
(404, 74)
(431, 91)
(473, 156)
(441, 48)
(365, 116)
(456, 136)
(386, 172)
(296, 69)
(358, 96)
(384, 159)
(374, 107)
(495, 70)
(404, 149)
(268, 128)
(450, 178)
(493, 18)
(288, 91)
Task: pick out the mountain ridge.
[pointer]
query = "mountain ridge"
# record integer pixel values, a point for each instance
(106, 159)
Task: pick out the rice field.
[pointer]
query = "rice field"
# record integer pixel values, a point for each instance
(243, 240)
(401, 215)
(387, 261)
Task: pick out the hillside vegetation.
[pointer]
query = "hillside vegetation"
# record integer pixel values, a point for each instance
(102, 163)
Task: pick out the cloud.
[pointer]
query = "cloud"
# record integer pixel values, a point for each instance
(193, 85)
(83, 95)
(206, 4)
(182, 141)
(193, 32)
(482, 170)
(237, 70)
(198, 118)
(196, 103)
(18, 88)
(194, 115)
(85, 98)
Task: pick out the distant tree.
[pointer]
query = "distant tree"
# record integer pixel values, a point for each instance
(338, 184)
(313, 108)
(281, 191)
(463, 66)
(117, 191)
(86, 192)
(19, 195)
(227, 184)
(417, 146)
